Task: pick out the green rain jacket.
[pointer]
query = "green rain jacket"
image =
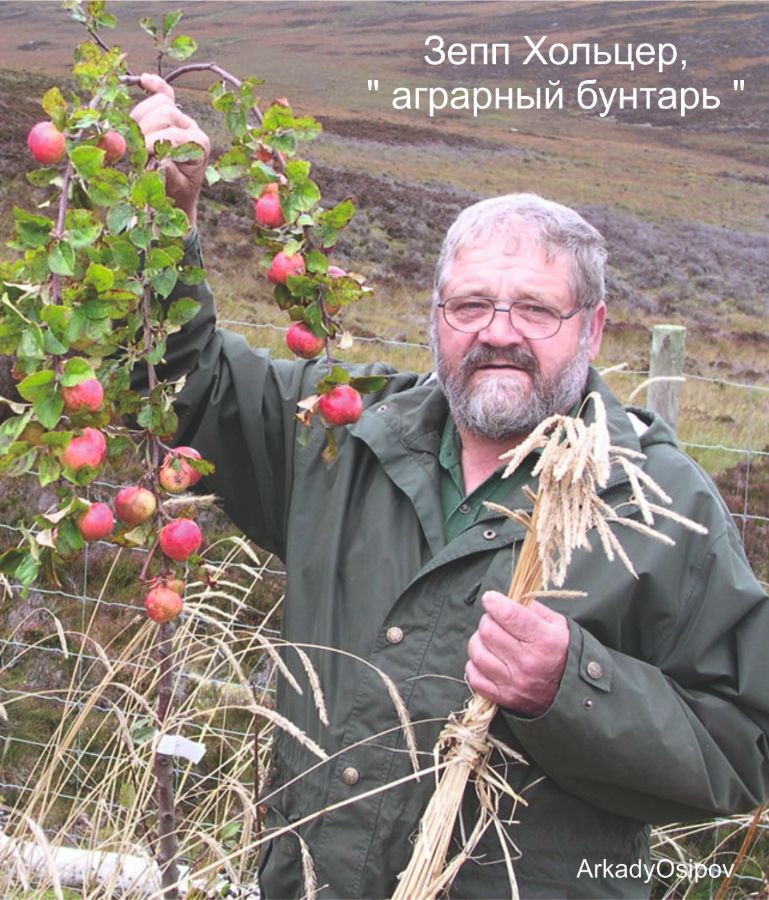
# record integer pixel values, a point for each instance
(663, 711)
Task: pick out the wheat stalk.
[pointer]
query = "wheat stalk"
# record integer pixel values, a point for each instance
(574, 465)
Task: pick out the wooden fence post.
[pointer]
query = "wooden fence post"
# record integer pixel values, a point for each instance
(667, 361)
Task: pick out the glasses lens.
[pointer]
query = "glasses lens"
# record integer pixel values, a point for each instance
(468, 313)
(534, 321)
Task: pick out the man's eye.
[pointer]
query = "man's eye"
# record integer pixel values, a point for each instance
(470, 308)
(535, 312)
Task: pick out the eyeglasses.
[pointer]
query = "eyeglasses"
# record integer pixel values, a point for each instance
(533, 321)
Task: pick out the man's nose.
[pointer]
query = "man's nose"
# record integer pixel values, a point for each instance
(500, 332)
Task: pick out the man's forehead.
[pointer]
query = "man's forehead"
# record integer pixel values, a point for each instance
(519, 248)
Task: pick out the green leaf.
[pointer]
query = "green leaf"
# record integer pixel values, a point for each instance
(278, 117)
(99, 277)
(58, 439)
(229, 830)
(43, 177)
(233, 164)
(285, 143)
(301, 285)
(369, 384)
(76, 370)
(212, 176)
(127, 795)
(48, 469)
(125, 256)
(27, 570)
(61, 258)
(87, 160)
(48, 410)
(51, 344)
(316, 261)
(192, 275)
(182, 311)
(297, 170)
(149, 189)
(182, 47)
(83, 227)
(172, 224)
(336, 376)
(32, 231)
(305, 128)
(141, 236)
(54, 104)
(107, 187)
(304, 195)
(187, 152)
(119, 217)
(68, 538)
(338, 216)
(164, 281)
(170, 21)
(31, 343)
(147, 25)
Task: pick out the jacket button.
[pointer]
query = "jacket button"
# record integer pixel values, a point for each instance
(489, 534)
(464, 507)
(381, 408)
(394, 635)
(350, 775)
(594, 669)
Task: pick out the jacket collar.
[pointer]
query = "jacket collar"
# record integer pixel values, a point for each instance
(404, 431)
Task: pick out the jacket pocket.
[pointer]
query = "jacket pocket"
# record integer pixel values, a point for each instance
(280, 866)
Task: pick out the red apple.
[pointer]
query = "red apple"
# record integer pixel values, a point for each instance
(88, 395)
(175, 472)
(267, 210)
(342, 405)
(135, 505)
(96, 522)
(90, 449)
(180, 539)
(174, 478)
(162, 603)
(114, 146)
(301, 341)
(46, 143)
(283, 266)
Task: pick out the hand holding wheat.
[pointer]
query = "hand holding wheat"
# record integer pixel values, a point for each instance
(518, 654)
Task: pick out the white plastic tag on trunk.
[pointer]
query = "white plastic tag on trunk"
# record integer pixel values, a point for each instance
(176, 745)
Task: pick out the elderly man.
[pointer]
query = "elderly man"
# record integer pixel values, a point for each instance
(646, 701)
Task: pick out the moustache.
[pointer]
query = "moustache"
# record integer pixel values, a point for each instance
(519, 357)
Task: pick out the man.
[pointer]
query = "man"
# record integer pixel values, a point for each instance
(644, 702)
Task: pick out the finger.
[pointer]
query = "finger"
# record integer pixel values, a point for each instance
(165, 116)
(481, 684)
(149, 106)
(154, 84)
(514, 618)
(488, 662)
(495, 640)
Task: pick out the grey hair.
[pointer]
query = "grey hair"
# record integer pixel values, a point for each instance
(554, 227)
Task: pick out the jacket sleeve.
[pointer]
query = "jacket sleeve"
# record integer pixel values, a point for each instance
(682, 734)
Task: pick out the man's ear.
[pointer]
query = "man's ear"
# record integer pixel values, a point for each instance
(596, 330)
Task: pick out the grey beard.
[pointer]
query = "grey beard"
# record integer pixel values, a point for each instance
(502, 408)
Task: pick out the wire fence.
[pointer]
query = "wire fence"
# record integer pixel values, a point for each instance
(23, 647)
